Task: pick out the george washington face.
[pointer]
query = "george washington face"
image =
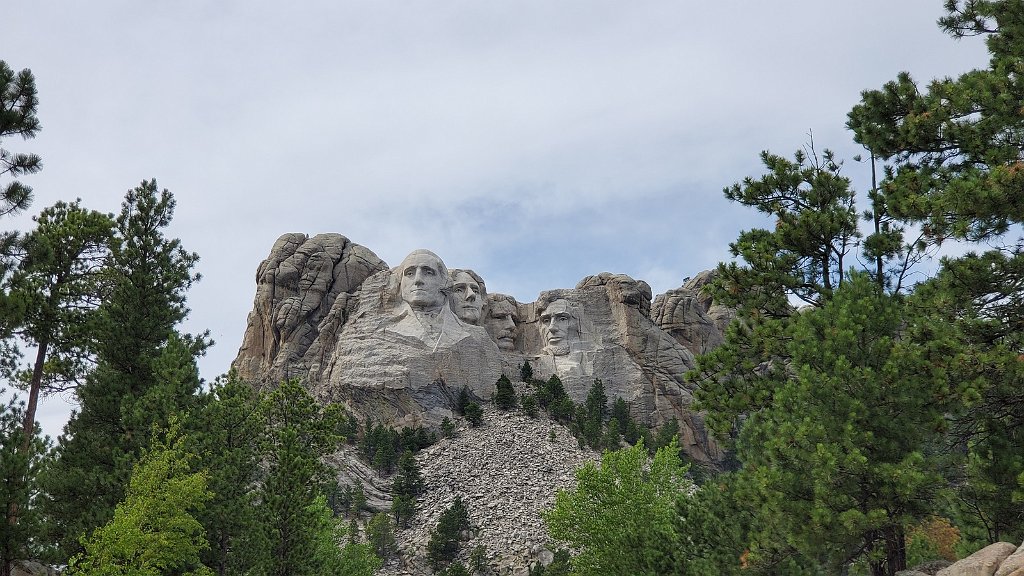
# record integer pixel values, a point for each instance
(423, 275)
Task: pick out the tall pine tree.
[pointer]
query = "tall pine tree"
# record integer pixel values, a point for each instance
(145, 372)
(956, 153)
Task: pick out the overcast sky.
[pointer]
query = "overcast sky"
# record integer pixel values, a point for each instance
(535, 142)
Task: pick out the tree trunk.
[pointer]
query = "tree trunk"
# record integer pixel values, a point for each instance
(33, 394)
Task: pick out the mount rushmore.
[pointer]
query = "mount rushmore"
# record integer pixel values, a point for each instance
(397, 344)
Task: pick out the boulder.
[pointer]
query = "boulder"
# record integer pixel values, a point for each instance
(984, 562)
(1013, 565)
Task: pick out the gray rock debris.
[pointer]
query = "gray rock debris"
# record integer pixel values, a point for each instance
(507, 472)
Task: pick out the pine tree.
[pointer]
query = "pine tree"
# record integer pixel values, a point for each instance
(18, 104)
(954, 153)
(592, 413)
(301, 434)
(462, 402)
(526, 371)
(145, 368)
(446, 537)
(19, 540)
(380, 535)
(474, 414)
(227, 435)
(57, 288)
(505, 396)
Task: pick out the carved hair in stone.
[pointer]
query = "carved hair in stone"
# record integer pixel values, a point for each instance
(502, 316)
(468, 295)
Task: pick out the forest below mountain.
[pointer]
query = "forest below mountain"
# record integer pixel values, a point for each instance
(870, 390)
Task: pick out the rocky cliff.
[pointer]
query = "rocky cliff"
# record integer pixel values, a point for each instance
(396, 344)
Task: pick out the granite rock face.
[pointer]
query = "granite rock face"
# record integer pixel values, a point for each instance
(296, 286)
(690, 316)
(396, 345)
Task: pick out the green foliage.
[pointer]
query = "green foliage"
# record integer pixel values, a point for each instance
(380, 535)
(954, 147)
(474, 414)
(815, 229)
(454, 569)
(671, 527)
(382, 446)
(826, 465)
(403, 508)
(153, 531)
(505, 396)
(21, 539)
(408, 484)
(625, 424)
(447, 427)
(462, 402)
(529, 405)
(18, 104)
(526, 371)
(561, 565)
(292, 506)
(622, 518)
(228, 439)
(327, 553)
(478, 560)
(55, 293)
(145, 370)
(446, 537)
(408, 481)
(590, 415)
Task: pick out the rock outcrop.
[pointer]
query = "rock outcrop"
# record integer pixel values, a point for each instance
(989, 561)
(396, 345)
(296, 286)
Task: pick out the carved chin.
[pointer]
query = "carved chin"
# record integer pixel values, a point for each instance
(557, 349)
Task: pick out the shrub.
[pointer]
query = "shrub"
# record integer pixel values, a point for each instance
(380, 534)
(474, 414)
(443, 545)
(529, 404)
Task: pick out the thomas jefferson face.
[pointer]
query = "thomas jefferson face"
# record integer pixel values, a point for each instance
(466, 298)
(558, 327)
(423, 276)
(501, 324)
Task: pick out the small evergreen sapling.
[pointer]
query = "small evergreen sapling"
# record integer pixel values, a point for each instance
(505, 397)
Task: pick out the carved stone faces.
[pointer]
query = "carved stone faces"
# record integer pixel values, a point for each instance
(467, 296)
(559, 327)
(502, 317)
(423, 276)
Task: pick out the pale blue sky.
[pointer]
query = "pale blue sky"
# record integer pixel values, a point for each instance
(535, 142)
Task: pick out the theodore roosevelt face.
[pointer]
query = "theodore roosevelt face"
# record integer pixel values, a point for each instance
(501, 321)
